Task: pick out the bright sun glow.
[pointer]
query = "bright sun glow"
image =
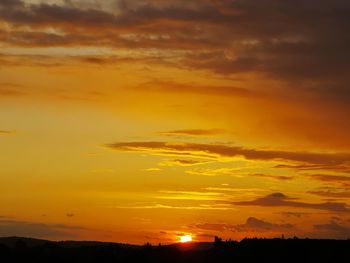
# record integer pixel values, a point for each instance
(186, 238)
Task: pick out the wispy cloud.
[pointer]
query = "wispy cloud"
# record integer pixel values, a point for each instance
(6, 132)
(191, 195)
(221, 151)
(193, 132)
(182, 162)
(183, 207)
(331, 192)
(341, 180)
(199, 90)
(275, 177)
(294, 214)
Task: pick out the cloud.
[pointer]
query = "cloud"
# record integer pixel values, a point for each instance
(200, 90)
(334, 179)
(310, 167)
(9, 227)
(217, 150)
(331, 193)
(9, 92)
(236, 172)
(252, 224)
(8, 89)
(276, 177)
(294, 214)
(191, 195)
(281, 200)
(240, 191)
(256, 225)
(334, 230)
(193, 132)
(303, 44)
(5, 217)
(283, 39)
(6, 132)
(181, 162)
(180, 207)
(210, 226)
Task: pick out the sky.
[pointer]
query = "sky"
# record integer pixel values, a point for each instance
(143, 121)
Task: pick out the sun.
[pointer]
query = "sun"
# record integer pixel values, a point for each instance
(185, 239)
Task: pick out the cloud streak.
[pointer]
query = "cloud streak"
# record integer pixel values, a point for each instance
(341, 180)
(193, 132)
(6, 132)
(217, 151)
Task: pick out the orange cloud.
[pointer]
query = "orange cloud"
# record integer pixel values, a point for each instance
(335, 179)
(216, 150)
(193, 132)
(276, 177)
(181, 162)
(4, 132)
(10, 89)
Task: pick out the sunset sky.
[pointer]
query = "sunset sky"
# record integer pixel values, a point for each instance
(145, 120)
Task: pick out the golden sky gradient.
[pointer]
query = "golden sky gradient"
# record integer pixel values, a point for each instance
(141, 121)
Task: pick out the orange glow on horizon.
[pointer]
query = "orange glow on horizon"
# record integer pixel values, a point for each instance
(185, 239)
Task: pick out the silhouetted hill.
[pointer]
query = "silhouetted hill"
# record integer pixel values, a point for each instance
(192, 246)
(30, 242)
(16, 249)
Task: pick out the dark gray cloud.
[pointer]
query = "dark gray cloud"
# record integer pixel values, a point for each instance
(11, 3)
(257, 225)
(10, 227)
(211, 226)
(281, 200)
(303, 43)
(334, 229)
(252, 224)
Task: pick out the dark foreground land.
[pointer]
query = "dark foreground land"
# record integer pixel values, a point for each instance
(15, 249)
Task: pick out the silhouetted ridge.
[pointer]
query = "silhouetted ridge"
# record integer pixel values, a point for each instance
(16, 249)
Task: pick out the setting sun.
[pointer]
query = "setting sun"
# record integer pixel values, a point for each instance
(185, 239)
